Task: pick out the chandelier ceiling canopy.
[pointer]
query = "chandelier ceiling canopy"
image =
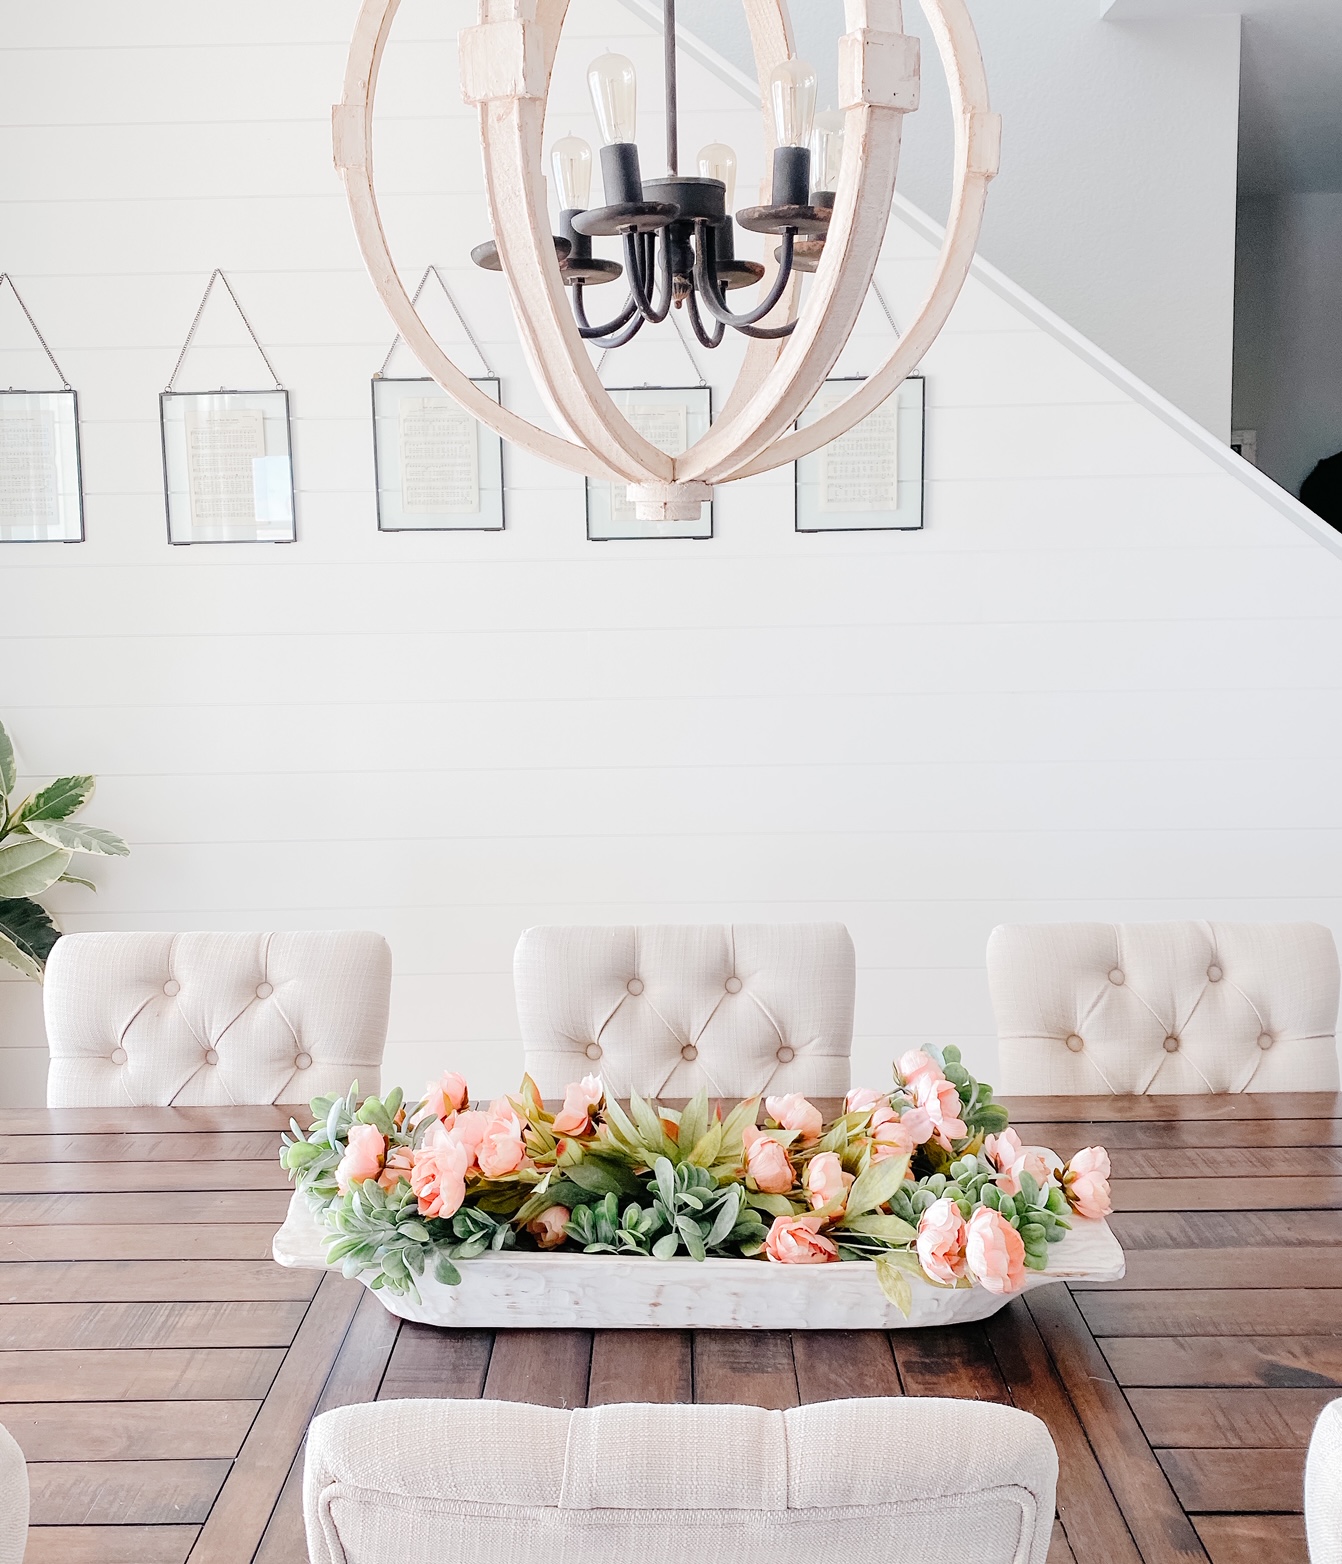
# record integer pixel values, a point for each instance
(833, 179)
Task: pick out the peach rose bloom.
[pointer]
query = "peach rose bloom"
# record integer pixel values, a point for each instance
(826, 1180)
(446, 1096)
(397, 1168)
(942, 1104)
(580, 1097)
(501, 1147)
(862, 1099)
(1086, 1183)
(438, 1177)
(797, 1240)
(891, 1136)
(915, 1067)
(995, 1252)
(793, 1112)
(364, 1150)
(548, 1228)
(941, 1242)
(767, 1162)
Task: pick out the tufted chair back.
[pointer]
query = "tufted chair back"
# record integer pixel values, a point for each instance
(1164, 1007)
(666, 1009)
(13, 1500)
(903, 1480)
(207, 1019)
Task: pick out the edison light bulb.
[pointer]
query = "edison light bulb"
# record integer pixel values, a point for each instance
(571, 165)
(718, 161)
(792, 94)
(826, 150)
(611, 81)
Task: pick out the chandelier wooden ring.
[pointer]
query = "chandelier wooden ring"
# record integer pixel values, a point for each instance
(506, 63)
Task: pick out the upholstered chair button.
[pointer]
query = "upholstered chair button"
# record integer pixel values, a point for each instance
(593, 1050)
(171, 987)
(689, 1052)
(1115, 975)
(1075, 1043)
(211, 1057)
(1265, 1041)
(635, 985)
(264, 990)
(786, 1054)
(733, 985)
(1214, 974)
(118, 1056)
(303, 1061)
(1171, 1045)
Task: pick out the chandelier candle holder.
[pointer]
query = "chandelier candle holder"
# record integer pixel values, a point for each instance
(833, 180)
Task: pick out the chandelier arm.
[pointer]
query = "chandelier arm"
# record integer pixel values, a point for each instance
(705, 338)
(585, 328)
(619, 339)
(642, 268)
(706, 282)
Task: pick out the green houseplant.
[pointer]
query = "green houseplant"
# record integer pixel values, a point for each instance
(38, 840)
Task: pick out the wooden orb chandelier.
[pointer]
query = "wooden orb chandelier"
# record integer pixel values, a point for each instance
(506, 62)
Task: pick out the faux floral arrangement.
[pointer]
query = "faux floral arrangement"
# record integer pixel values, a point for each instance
(925, 1180)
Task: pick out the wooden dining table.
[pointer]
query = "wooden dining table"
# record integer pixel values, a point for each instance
(159, 1369)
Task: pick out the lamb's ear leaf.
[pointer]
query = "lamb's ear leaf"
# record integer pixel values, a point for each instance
(875, 1185)
(894, 1284)
(694, 1120)
(9, 774)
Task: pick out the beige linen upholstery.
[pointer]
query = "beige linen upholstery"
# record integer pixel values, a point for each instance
(666, 1009)
(1323, 1487)
(1164, 1007)
(13, 1500)
(192, 1019)
(903, 1481)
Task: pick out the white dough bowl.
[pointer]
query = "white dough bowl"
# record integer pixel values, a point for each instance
(610, 1292)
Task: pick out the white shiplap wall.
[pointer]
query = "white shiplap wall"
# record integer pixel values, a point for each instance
(1102, 683)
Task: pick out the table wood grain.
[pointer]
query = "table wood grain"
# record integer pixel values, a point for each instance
(160, 1371)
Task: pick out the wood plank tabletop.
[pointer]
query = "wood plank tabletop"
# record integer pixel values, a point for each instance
(159, 1370)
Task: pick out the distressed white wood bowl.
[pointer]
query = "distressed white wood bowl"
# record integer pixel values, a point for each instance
(610, 1292)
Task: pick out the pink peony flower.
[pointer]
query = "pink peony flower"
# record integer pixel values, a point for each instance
(446, 1096)
(995, 1252)
(767, 1162)
(398, 1165)
(891, 1136)
(826, 1180)
(365, 1147)
(548, 1228)
(501, 1147)
(793, 1112)
(918, 1125)
(942, 1235)
(580, 1098)
(862, 1099)
(438, 1176)
(1085, 1182)
(915, 1067)
(942, 1104)
(797, 1240)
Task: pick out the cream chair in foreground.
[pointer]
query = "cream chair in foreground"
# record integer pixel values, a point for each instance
(1323, 1487)
(1164, 1007)
(481, 1482)
(667, 1009)
(208, 1019)
(13, 1500)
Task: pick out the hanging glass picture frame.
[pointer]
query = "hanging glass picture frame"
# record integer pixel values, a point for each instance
(227, 466)
(41, 478)
(871, 478)
(672, 418)
(438, 469)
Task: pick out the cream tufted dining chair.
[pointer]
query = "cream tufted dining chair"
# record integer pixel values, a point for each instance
(208, 1019)
(666, 1009)
(1164, 1007)
(1323, 1487)
(902, 1480)
(13, 1500)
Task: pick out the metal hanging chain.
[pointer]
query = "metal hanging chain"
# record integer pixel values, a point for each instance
(6, 278)
(889, 313)
(205, 299)
(432, 270)
(699, 375)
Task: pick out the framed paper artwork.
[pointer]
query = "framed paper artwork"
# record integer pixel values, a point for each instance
(41, 490)
(227, 466)
(672, 418)
(438, 468)
(871, 478)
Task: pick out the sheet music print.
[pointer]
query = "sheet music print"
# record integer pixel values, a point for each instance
(28, 494)
(440, 458)
(860, 470)
(663, 426)
(221, 445)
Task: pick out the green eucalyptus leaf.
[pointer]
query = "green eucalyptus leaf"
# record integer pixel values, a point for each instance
(77, 838)
(28, 867)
